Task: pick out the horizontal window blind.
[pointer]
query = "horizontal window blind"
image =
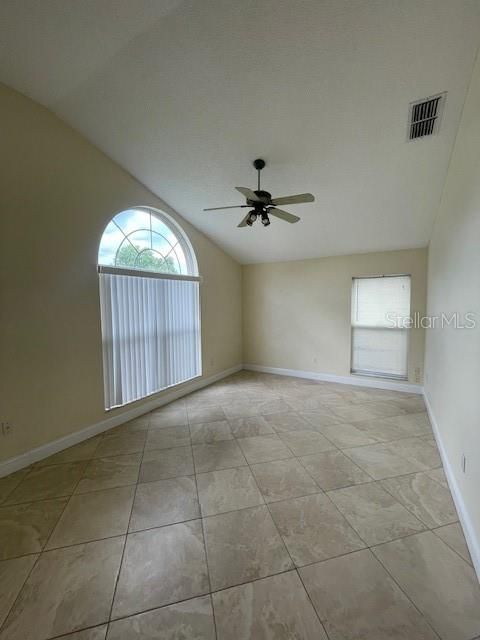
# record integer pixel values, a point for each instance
(150, 334)
(379, 341)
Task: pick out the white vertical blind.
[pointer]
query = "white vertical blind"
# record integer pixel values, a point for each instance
(150, 334)
(379, 333)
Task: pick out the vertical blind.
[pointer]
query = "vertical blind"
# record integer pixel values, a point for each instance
(379, 333)
(150, 333)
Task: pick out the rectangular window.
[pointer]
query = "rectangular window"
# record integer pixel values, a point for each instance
(150, 332)
(379, 337)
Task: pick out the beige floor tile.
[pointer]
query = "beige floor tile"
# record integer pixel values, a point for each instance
(161, 566)
(168, 438)
(366, 411)
(382, 460)
(310, 404)
(68, 589)
(439, 476)
(413, 404)
(11, 482)
(108, 473)
(430, 439)
(227, 490)
(159, 464)
(115, 445)
(13, 574)
(189, 620)
(374, 514)
(381, 430)
(319, 418)
(286, 422)
(303, 442)
(412, 424)
(253, 426)
(426, 499)
(208, 432)
(164, 502)
(438, 581)
(270, 406)
(420, 451)
(168, 416)
(92, 516)
(264, 448)
(25, 528)
(275, 608)
(313, 529)
(334, 400)
(243, 546)
(332, 469)
(345, 435)
(211, 413)
(250, 407)
(452, 535)
(137, 424)
(82, 451)
(47, 482)
(356, 599)
(372, 395)
(243, 408)
(281, 479)
(218, 455)
(94, 633)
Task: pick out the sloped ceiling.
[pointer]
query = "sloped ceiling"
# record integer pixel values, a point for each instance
(185, 94)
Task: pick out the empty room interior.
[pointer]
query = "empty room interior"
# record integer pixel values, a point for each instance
(239, 320)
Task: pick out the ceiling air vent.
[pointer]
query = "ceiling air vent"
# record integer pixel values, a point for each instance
(424, 116)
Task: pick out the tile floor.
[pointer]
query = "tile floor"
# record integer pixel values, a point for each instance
(261, 508)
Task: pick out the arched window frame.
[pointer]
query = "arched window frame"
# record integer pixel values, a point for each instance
(180, 235)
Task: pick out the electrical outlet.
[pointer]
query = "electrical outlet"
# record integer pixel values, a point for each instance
(464, 463)
(315, 360)
(6, 428)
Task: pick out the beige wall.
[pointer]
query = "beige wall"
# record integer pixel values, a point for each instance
(57, 193)
(297, 314)
(452, 382)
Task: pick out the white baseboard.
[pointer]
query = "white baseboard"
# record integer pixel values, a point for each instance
(471, 537)
(357, 381)
(29, 457)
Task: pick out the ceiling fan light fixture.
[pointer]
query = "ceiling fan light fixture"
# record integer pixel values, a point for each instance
(263, 203)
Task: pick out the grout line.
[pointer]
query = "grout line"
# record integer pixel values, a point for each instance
(401, 588)
(202, 524)
(120, 565)
(40, 553)
(312, 603)
(448, 545)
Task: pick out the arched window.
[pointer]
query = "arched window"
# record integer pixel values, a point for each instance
(142, 238)
(149, 296)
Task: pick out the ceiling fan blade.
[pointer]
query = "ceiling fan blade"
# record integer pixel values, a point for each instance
(243, 223)
(300, 197)
(283, 215)
(249, 194)
(235, 206)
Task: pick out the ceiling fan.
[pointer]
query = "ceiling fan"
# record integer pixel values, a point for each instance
(263, 205)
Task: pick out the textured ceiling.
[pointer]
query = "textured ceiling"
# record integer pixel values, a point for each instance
(185, 94)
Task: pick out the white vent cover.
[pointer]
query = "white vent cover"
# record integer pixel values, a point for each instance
(424, 116)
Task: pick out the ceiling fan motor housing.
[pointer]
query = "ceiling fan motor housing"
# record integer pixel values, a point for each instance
(265, 197)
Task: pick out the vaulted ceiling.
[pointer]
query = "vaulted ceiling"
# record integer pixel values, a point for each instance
(185, 94)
